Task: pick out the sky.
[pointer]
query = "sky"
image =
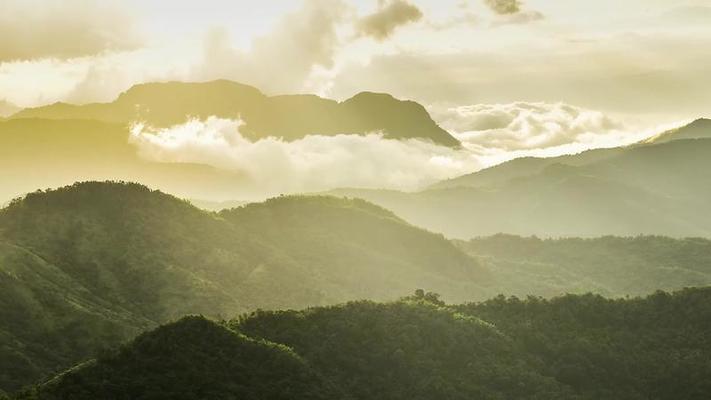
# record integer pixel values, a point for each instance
(519, 77)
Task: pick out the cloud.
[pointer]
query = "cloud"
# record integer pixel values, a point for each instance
(504, 7)
(656, 76)
(687, 15)
(63, 29)
(390, 15)
(497, 132)
(490, 133)
(283, 59)
(510, 12)
(522, 17)
(314, 163)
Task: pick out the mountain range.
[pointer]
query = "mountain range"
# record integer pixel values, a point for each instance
(88, 266)
(59, 144)
(661, 188)
(287, 116)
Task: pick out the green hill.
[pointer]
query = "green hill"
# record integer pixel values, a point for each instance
(405, 350)
(610, 266)
(190, 359)
(291, 117)
(656, 347)
(93, 264)
(571, 347)
(111, 259)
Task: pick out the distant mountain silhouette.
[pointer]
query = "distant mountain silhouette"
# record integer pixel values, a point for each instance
(45, 153)
(659, 189)
(290, 117)
(699, 129)
(199, 359)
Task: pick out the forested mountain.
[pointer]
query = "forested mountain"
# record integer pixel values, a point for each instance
(610, 266)
(658, 189)
(287, 116)
(93, 264)
(191, 359)
(572, 347)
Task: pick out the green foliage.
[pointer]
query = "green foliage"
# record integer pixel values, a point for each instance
(611, 266)
(191, 359)
(582, 347)
(86, 267)
(405, 350)
(93, 264)
(658, 347)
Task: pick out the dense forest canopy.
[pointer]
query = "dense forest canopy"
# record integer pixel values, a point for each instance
(91, 265)
(572, 347)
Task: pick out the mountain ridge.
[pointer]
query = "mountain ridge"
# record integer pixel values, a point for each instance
(287, 116)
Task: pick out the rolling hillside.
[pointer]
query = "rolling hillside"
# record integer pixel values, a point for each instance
(110, 259)
(205, 360)
(572, 347)
(94, 264)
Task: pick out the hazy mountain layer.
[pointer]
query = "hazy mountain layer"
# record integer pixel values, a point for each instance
(40, 153)
(290, 117)
(661, 189)
(699, 129)
(611, 266)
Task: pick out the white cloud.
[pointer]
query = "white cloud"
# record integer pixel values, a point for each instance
(498, 132)
(283, 59)
(314, 163)
(526, 126)
(490, 133)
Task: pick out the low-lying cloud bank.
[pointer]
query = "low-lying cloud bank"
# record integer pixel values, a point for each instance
(490, 135)
(499, 132)
(314, 163)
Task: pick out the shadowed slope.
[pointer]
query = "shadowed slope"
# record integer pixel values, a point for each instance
(191, 359)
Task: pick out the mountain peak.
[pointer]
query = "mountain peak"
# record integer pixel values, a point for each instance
(290, 117)
(700, 128)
